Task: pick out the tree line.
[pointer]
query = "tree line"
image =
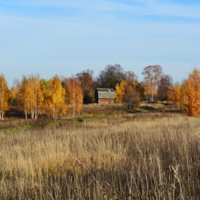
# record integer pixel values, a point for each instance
(60, 96)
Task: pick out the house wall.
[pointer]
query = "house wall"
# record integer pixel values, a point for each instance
(105, 100)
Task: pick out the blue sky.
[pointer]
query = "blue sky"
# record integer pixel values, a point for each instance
(65, 37)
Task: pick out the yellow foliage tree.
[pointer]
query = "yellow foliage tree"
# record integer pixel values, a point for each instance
(24, 95)
(193, 94)
(120, 91)
(126, 92)
(74, 96)
(55, 97)
(13, 96)
(4, 96)
(37, 98)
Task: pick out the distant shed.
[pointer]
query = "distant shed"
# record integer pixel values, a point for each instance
(105, 95)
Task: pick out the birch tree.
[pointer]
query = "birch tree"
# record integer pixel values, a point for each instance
(126, 92)
(4, 96)
(152, 75)
(74, 96)
(54, 97)
(37, 98)
(24, 96)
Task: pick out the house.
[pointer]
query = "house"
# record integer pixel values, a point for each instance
(105, 95)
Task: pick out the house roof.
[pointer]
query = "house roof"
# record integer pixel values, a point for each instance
(105, 93)
(106, 89)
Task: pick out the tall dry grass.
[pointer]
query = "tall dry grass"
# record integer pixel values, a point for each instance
(152, 157)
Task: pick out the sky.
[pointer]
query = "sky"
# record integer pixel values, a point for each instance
(65, 37)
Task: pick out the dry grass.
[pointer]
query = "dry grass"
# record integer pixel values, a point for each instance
(144, 157)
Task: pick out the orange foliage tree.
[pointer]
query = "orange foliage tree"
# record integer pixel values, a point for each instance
(177, 94)
(152, 75)
(174, 95)
(74, 96)
(193, 94)
(4, 96)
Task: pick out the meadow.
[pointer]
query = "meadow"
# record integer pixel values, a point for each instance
(105, 153)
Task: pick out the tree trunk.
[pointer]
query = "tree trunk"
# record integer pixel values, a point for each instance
(32, 114)
(25, 112)
(151, 97)
(32, 111)
(36, 114)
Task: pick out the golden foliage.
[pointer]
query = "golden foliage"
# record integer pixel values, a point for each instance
(55, 97)
(4, 96)
(74, 96)
(127, 92)
(24, 95)
(174, 94)
(13, 96)
(120, 91)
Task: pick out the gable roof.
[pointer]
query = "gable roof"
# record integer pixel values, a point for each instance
(105, 93)
(105, 89)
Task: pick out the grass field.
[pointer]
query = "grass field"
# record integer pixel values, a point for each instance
(105, 153)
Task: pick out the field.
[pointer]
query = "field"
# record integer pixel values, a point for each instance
(105, 153)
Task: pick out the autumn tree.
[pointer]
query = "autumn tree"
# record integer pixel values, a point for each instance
(13, 92)
(174, 95)
(87, 85)
(193, 93)
(37, 98)
(120, 91)
(126, 92)
(24, 96)
(54, 97)
(4, 96)
(152, 75)
(13, 96)
(184, 97)
(163, 86)
(74, 95)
